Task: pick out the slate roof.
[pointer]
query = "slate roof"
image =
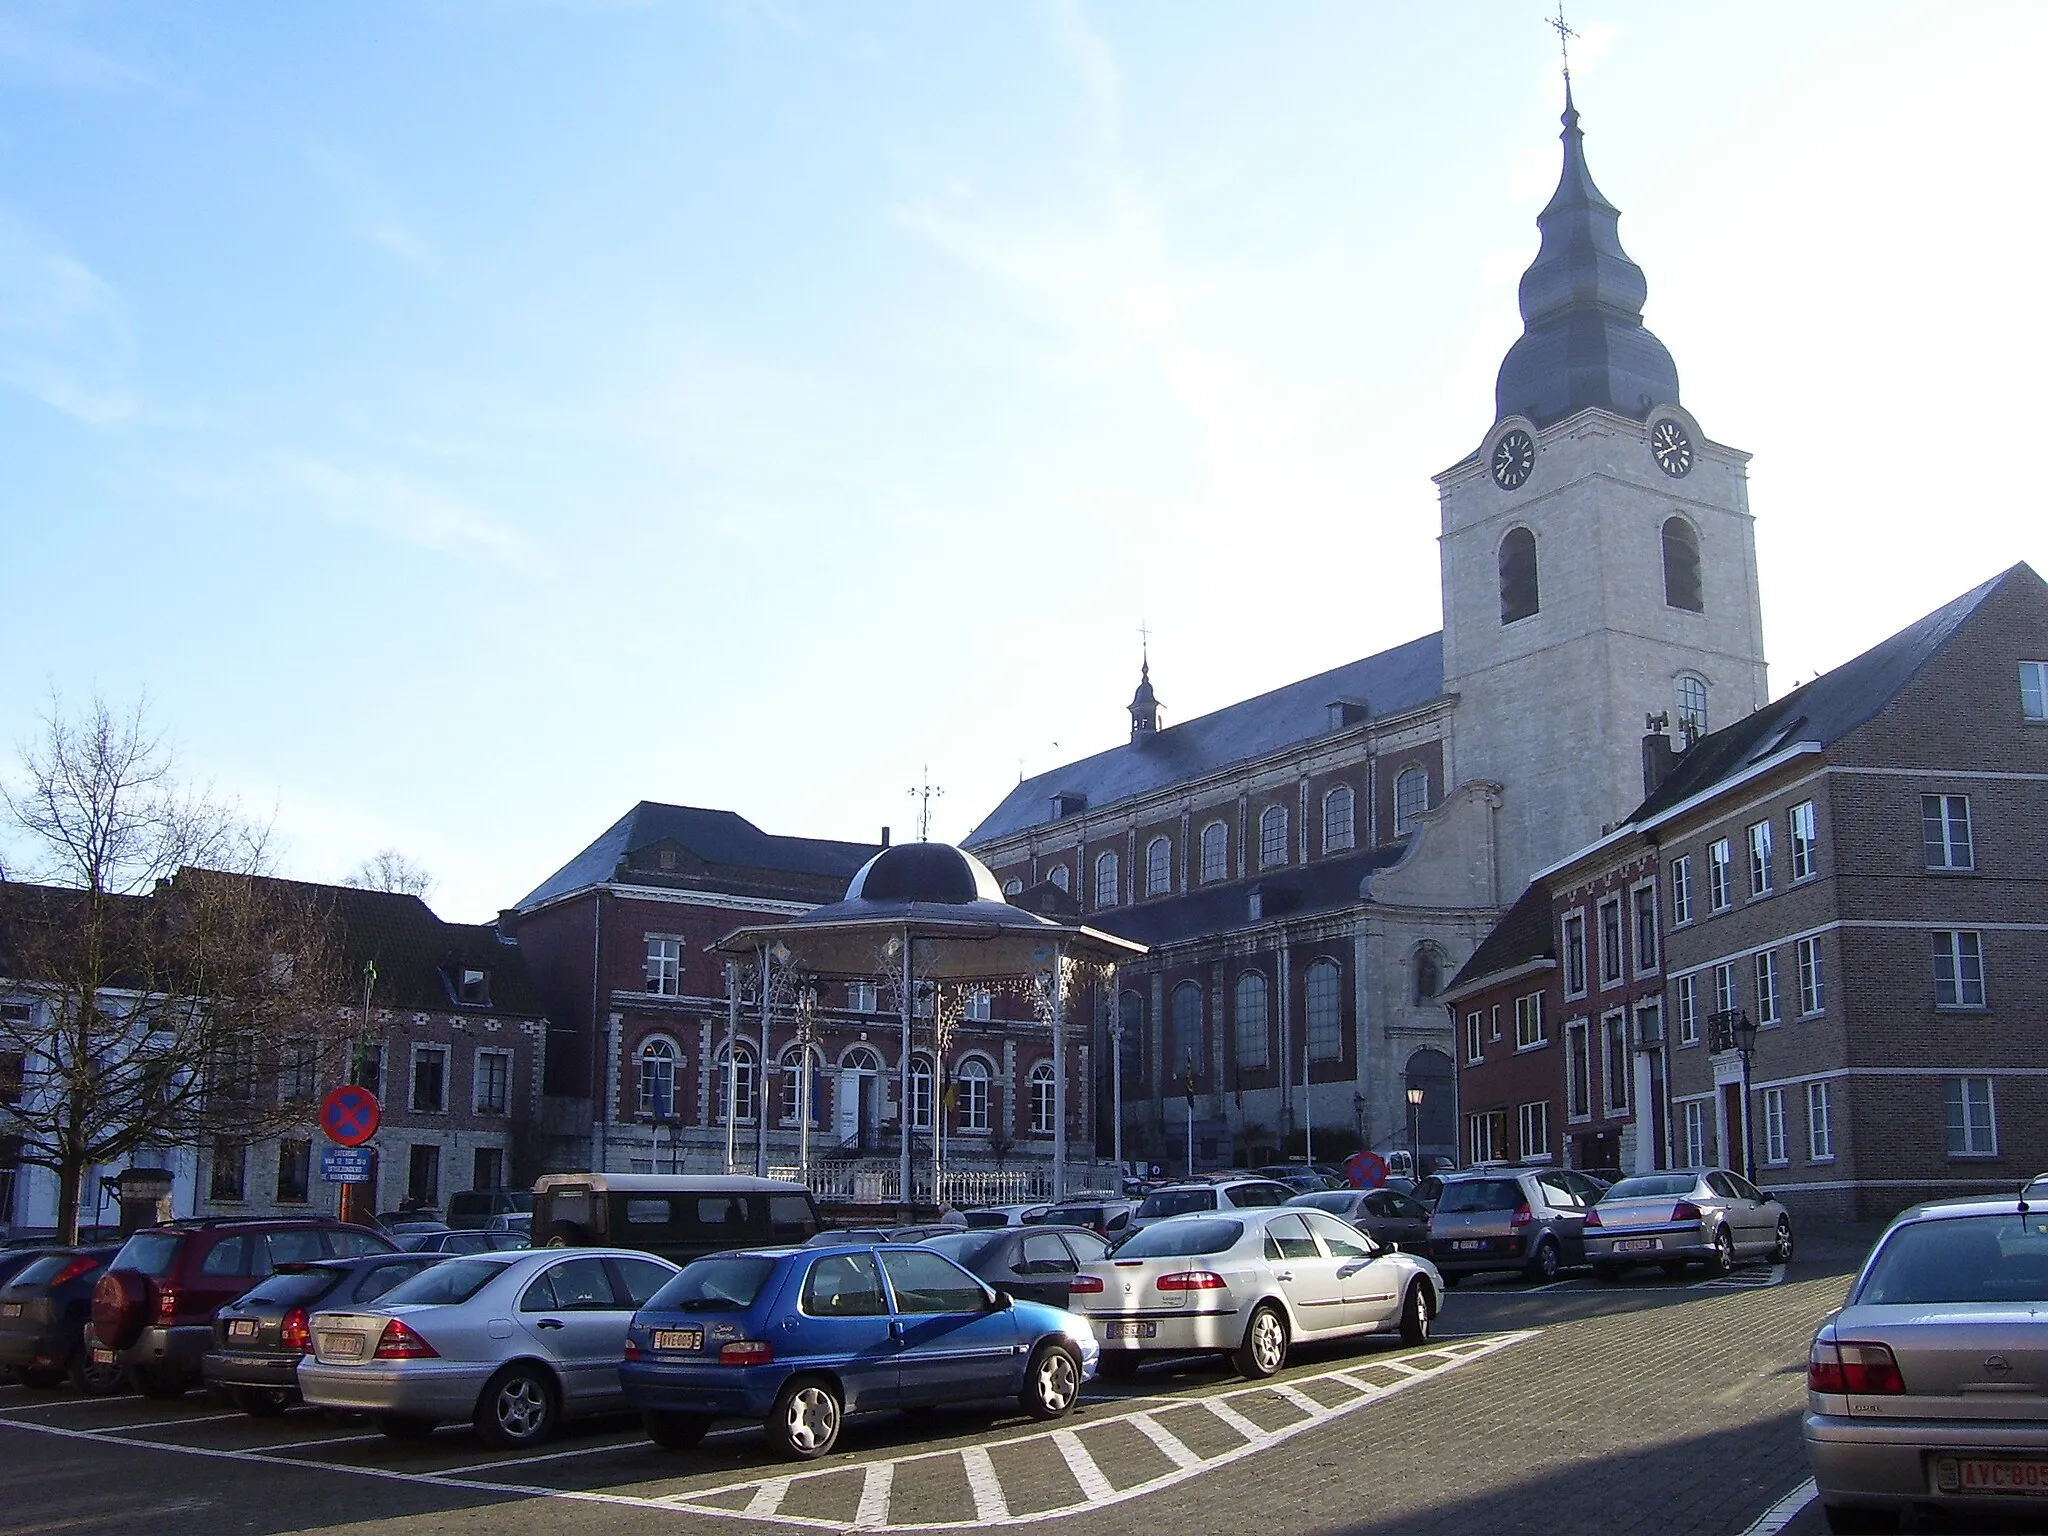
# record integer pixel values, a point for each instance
(1391, 682)
(722, 838)
(1522, 935)
(1826, 709)
(1303, 891)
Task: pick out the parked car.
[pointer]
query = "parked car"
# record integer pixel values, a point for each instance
(475, 1208)
(1527, 1219)
(1004, 1215)
(2035, 1188)
(1248, 1283)
(44, 1307)
(1387, 1216)
(678, 1216)
(259, 1338)
(800, 1339)
(1110, 1217)
(512, 1342)
(459, 1241)
(152, 1308)
(1220, 1195)
(1693, 1215)
(1030, 1263)
(1925, 1391)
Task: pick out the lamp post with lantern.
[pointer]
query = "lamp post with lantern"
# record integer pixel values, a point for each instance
(1415, 1133)
(1734, 1030)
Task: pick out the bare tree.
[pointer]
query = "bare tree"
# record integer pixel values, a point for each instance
(176, 994)
(389, 870)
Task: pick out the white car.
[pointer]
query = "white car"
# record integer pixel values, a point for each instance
(1006, 1215)
(1248, 1283)
(1211, 1195)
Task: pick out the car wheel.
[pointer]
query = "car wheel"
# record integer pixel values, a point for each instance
(1724, 1252)
(165, 1383)
(1053, 1383)
(1607, 1274)
(1855, 1520)
(674, 1431)
(405, 1426)
(518, 1407)
(804, 1423)
(262, 1402)
(90, 1378)
(1264, 1349)
(1543, 1263)
(1416, 1314)
(1783, 1252)
(1119, 1364)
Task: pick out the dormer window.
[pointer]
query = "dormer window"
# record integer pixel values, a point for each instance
(1340, 713)
(1068, 803)
(472, 987)
(665, 861)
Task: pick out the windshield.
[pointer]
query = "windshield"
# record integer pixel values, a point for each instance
(1650, 1185)
(963, 1248)
(150, 1253)
(1177, 1202)
(1180, 1239)
(1335, 1201)
(444, 1284)
(728, 1283)
(1479, 1195)
(1998, 1257)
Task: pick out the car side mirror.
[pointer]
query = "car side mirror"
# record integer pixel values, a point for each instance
(1001, 1301)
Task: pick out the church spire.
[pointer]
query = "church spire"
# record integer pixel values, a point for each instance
(1583, 341)
(1144, 703)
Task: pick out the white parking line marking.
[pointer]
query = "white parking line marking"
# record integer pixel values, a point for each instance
(1235, 1420)
(767, 1498)
(325, 1440)
(1357, 1383)
(1299, 1398)
(205, 1418)
(1170, 1445)
(874, 1496)
(1782, 1513)
(1743, 1280)
(990, 1505)
(1088, 1476)
(574, 1451)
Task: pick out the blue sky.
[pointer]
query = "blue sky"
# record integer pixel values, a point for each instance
(464, 420)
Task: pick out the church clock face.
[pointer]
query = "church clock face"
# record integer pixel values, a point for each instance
(1513, 457)
(1671, 448)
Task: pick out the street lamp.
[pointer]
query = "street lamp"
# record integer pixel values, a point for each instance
(1732, 1030)
(1415, 1134)
(1188, 1080)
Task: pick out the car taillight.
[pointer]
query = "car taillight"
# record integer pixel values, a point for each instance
(1522, 1217)
(293, 1333)
(1592, 1217)
(1190, 1280)
(401, 1343)
(632, 1350)
(1088, 1283)
(747, 1352)
(80, 1265)
(1685, 1210)
(166, 1303)
(1868, 1370)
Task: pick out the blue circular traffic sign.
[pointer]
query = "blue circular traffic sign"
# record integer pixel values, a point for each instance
(350, 1116)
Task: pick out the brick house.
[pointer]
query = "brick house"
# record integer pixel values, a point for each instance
(1506, 1001)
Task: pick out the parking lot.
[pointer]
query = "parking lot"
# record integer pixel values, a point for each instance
(1651, 1404)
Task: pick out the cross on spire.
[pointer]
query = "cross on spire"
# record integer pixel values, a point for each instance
(1565, 34)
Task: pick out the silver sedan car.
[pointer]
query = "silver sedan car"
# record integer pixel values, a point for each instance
(1691, 1216)
(512, 1342)
(1928, 1391)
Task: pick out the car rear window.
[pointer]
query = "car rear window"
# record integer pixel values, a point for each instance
(41, 1271)
(987, 1219)
(1070, 1216)
(727, 1283)
(1180, 1239)
(1998, 1258)
(1177, 1202)
(964, 1248)
(149, 1253)
(296, 1289)
(1650, 1185)
(1479, 1195)
(444, 1284)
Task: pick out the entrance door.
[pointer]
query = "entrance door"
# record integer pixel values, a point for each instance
(858, 1112)
(1735, 1143)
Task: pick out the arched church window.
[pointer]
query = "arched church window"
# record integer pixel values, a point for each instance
(1251, 1020)
(1105, 880)
(1692, 707)
(1158, 867)
(1272, 836)
(1323, 997)
(1518, 598)
(1682, 566)
(1215, 852)
(1184, 1046)
(1013, 887)
(1059, 876)
(1429, 973)
(658, 1080)
(1338, 832)
(1130, 1014)
(1411, 799)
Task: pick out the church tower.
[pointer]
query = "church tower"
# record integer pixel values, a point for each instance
(1598, 556)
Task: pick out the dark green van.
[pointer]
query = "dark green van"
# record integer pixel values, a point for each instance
(681, 1216)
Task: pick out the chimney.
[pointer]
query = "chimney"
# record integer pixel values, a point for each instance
(1658, 757)
(885, 837)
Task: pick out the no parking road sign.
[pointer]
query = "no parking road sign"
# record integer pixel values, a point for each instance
(350, 1116)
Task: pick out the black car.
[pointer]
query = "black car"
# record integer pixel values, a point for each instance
(44, 1307)
(258, 1339)
(461, 1242)
(1029, 1263)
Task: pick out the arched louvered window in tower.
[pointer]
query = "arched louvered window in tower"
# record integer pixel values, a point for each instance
(1682, 566)
(1518, 596)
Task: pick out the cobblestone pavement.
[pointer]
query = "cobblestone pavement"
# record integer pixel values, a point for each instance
(1648, 1405)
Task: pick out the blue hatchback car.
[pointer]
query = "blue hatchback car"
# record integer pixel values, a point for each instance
(799, 1338)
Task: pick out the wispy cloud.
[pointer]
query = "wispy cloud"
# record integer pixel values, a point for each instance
(372, 213)
(49, 58)
(397, 506)
(64, 335)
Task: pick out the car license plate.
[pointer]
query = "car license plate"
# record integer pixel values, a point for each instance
(1133, 1331)
(679, 1338)
(1635, 1244)
(343, 1346)
(1986, 1474)
(1468, 1244)
(10, 1309)
(102, 1356)
(242, 1328)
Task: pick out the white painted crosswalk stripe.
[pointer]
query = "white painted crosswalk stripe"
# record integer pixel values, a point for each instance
(989, 1503)
(1087, 1476)
(874, 1496)
(1170, 1445)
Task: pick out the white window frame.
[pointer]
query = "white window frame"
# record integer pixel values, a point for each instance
(745, 1082)
(1159, 867)
(656, 1053)
(1685, 1001)
(1762, 878)
(1681, 890)
(1411, 797)
(1475, 1045)
(1720, 875)
(412, 1079)
(1685, 691)
(1272, 837)
(1769, 1006)
(2034, 690)
(479, 1080)
(1041, 1100)
(1813, 985)
(1340, 831)
(1612, 924)
(1578, 1070)
(1529, 1031)
(1695, 1124)
(1962, 949)
(979, 1006)
(1961, 1097)
(974, 1092)
(1215, 851)
(1323, 1010)
(1534, 1127)
(1802, 826)
(1820, 1127)
(1108, 879)
(1727, 995)
(789, 1068)
(664, 966)
(1947, 837)
(922, 1081)
(1572, 950)
(1493, 1023)
(1777, 1147)
(1644, 927)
